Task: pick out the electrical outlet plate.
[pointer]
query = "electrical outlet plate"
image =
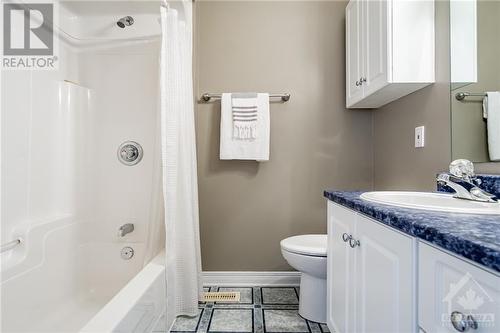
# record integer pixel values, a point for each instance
(419, 137)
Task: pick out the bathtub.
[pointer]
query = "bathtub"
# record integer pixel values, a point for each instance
(57, 280)
(139, 307)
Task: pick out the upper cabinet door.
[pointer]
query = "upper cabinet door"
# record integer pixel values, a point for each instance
(385, 280)
(354, 91)
(375, 45)
(389, 50)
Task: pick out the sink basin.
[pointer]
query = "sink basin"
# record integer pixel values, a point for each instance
(431, 201)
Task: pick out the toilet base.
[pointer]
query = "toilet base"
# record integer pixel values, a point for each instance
(312, 303)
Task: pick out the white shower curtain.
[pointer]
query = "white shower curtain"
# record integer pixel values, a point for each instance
(180, 186)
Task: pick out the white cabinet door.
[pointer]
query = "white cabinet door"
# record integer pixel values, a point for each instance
(374, 50)
(389, 50)
(340, 276)
(354, 91)
(448, 284)
(385, 280)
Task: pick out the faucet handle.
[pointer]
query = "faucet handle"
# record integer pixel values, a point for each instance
(463, 169)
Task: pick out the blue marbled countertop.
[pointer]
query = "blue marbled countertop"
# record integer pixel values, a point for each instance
(476, 237)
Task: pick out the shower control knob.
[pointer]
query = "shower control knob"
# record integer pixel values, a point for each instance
(130, 153)
(127, 253)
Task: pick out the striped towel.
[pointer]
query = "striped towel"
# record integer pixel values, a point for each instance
(245, 115)
(232, 148)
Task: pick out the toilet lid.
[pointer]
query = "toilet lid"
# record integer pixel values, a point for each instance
(312, 245)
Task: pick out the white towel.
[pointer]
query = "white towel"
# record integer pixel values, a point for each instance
(245, 115)
(491, 111)
(253, 144)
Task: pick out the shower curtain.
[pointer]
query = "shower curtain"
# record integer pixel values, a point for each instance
(180, 186)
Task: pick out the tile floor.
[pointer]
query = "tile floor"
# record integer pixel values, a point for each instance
(261, 309)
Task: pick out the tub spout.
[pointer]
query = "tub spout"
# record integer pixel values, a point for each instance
(125, 229)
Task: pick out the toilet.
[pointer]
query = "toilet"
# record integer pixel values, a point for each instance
(307, 254)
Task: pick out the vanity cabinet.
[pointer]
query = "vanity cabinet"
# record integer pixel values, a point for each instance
(449, 284)
(371, 274)
(389, 50)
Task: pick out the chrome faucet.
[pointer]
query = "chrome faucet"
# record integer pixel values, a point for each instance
(464, 182)
(125, 229)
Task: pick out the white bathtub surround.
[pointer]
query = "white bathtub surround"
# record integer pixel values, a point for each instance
(180, 187)
(63, 274)
(64, 192)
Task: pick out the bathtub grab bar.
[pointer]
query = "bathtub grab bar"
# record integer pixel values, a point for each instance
(10, 245)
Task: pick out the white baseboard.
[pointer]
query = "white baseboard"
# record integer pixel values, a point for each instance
(244, 279)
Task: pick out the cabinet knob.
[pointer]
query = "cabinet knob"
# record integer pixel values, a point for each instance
(354, 242)
(346, 237)
(360, 82)
(461, 322)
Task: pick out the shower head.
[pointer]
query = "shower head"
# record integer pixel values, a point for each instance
(125, 21)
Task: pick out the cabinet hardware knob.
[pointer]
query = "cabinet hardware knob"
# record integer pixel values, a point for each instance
(354, 242)
(461, 322)
(358, 83)
(363, 79)
(346, 237)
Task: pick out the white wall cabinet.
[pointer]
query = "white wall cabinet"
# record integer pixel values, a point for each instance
(370, 275)
(389, 50)
(448, 284)
(463, 42)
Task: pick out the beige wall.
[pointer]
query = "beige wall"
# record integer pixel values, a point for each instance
(469, 135)
(492, 168)
(246, 208)
(397, 164)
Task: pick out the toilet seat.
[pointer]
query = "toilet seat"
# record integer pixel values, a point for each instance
(309, 245)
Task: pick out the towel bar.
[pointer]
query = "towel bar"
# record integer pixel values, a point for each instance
(463, 95)
(207, 97)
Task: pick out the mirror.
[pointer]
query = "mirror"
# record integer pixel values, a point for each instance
(475, 70)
